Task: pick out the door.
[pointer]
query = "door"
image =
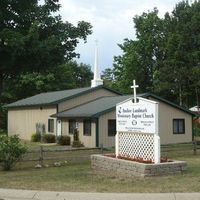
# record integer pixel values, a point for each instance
(59, 127)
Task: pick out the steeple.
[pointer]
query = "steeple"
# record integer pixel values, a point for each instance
(97, 79)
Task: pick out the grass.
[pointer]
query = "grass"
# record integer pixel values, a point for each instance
(80, 177)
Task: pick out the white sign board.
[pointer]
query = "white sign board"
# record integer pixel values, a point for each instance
(137, 117)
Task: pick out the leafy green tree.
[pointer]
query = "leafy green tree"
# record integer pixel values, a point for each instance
(11, 151)
(164, 57)
(108, 78)
(181, 67)
(67, 76)
(143, 56)
(34, 39)
(82, 74)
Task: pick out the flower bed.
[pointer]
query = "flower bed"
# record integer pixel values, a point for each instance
(129, 168)
(138, 159)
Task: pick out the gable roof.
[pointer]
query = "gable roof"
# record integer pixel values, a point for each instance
(103, 105)
(147, 95)
(53, 98)
(94, 108)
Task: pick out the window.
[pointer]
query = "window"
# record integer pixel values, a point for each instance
(72, 126)
(87, 128)
(51, 125)
(178, 126)
(111, 127)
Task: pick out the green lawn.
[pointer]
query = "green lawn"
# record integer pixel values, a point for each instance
(80, 177)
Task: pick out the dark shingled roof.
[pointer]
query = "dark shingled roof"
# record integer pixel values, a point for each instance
(103, 105)
(52, 98)
(93, 108)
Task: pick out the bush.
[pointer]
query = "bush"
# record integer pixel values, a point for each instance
(11, 151)
(36, 137)
(76, 135)
(48, 138)
(196, 130)
(77, 144)
(3, 132)
(64, 140)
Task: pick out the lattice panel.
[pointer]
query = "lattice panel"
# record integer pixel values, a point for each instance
(136, 145)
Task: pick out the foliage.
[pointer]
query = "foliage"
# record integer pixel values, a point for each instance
(164, 57)
(36, 137)
(3, 132)
(34, 38)
(77, 144)
(76, 134)
(34, 44)
(3, 119)
(48, 138)
(76, 141)
(64, 140)
(196, 129)
(11, 151)
(66, 76)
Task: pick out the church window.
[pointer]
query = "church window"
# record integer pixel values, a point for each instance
(87, 127)
(111, 127)
(72, 126)
(178, 126)
(51, 125)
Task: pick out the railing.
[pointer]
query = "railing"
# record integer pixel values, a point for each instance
(196, 144)
(57, 153)
(61, 154)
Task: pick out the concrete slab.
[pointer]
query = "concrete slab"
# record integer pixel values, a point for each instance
(10, 194)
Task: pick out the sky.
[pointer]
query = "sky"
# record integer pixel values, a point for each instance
(112, 22)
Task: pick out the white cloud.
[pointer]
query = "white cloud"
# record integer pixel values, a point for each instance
(111, 21)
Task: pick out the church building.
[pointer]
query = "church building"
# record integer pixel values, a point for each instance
(92, 111)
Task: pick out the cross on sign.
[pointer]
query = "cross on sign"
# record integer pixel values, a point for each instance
(134, 86)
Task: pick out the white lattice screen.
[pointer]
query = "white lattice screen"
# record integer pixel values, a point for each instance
(136, 145)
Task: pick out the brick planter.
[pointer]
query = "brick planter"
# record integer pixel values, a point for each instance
(131, 169)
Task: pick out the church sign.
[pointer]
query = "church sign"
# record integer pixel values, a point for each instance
(137, 129)
(137, 117)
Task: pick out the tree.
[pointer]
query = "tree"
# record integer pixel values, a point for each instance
(143, 56)
(164, 57)
(33, 39)
(11, 151)
(66, 76)
(82, 74)
(181, 67)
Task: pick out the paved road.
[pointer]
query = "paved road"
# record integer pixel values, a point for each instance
(9, 194)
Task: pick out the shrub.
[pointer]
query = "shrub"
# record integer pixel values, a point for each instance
(196, 130)
(77, 144)
(2, 132)
(48, 138)
(11, 151)
(36, 137)
(64, 140)
(76, 135)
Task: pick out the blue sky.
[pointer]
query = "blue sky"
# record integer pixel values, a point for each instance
(111, 21)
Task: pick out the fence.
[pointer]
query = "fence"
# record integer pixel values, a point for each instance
(196, 144)
(61, 154)
(181, 148)
(56, 153)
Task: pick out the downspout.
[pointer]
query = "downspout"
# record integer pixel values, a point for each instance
(192, 128)
(97, 132)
